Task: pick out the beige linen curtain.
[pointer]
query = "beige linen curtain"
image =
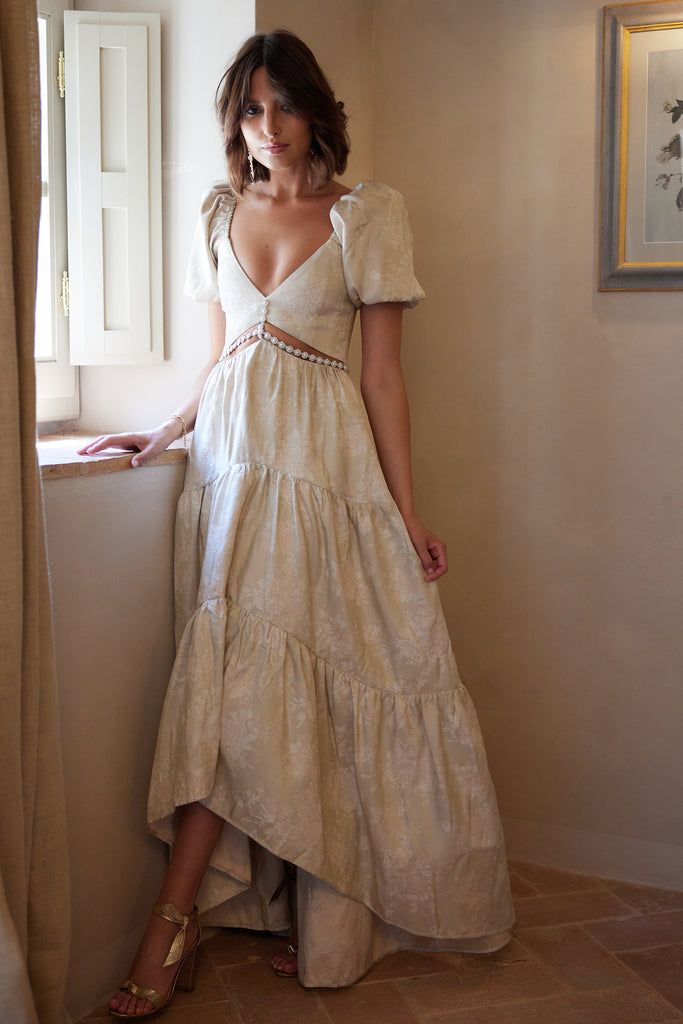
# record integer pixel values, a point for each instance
(34, 879)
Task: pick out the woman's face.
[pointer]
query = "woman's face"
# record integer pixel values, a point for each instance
(267, 120)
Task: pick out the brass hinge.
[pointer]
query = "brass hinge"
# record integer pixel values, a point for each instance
(61, 77)
(64, 292)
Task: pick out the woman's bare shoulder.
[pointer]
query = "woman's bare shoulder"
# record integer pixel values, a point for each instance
(338, 189)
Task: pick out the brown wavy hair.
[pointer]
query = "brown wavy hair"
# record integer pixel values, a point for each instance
(295, 75)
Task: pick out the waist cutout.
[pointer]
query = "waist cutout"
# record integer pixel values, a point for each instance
(286, 342)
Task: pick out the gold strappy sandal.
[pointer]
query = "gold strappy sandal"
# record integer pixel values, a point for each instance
(287, 974)
(183, 976)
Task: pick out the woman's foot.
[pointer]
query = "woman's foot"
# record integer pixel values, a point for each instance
(286, 963)
(147, 968)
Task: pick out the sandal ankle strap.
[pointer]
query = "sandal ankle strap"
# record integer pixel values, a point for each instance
(171, 913)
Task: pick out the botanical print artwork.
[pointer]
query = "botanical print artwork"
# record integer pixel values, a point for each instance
(672, 151)
(663, 193)
(641, 163)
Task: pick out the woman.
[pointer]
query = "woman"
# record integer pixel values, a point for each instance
(319, 762)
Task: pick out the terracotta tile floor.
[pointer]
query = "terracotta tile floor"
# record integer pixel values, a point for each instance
(585, 950)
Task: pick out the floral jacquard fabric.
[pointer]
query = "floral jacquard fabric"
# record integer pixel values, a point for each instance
(315, 703)
(368, 257)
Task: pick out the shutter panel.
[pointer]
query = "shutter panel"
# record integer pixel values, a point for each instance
(113, 158)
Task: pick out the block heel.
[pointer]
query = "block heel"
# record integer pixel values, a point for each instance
(186, 972)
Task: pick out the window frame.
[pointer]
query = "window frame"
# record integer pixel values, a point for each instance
(57, 380)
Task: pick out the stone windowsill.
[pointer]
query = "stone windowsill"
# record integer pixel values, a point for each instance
(58, 457)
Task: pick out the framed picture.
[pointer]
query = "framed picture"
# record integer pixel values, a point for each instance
(641, 200)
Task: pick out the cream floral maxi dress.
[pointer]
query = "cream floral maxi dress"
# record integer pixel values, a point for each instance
(315, 703)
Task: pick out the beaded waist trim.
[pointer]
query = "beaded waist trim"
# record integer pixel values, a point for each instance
(301, 352)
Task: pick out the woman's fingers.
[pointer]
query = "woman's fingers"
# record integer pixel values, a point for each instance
(433, 557)
(439, 561)
(128, 442)
(430, 549)
(103, 441)
(85, 450)
(142, 457)
(148, 452)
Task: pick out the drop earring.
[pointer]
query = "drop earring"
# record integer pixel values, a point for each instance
(251, 166)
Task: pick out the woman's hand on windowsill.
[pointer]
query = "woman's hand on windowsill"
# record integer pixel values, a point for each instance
(146, 443)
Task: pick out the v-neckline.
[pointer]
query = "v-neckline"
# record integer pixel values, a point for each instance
(297, 270)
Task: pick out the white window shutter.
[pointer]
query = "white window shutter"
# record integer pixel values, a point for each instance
(113, 161)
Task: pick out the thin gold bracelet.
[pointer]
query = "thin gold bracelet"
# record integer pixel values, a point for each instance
(177, 416)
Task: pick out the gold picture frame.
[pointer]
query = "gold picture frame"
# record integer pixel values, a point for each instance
(641, 195)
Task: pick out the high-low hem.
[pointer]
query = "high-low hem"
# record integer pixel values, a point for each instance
(225, 909)
(301, 778)
(164, 829)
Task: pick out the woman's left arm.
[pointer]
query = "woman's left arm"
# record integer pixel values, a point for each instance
(384, 394)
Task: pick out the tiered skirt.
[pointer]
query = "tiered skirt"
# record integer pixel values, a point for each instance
(315, 702)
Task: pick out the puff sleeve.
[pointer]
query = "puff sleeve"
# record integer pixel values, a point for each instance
(377, 246)
(201, 278)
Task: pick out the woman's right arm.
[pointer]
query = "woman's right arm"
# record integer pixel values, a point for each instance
(150, 443)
